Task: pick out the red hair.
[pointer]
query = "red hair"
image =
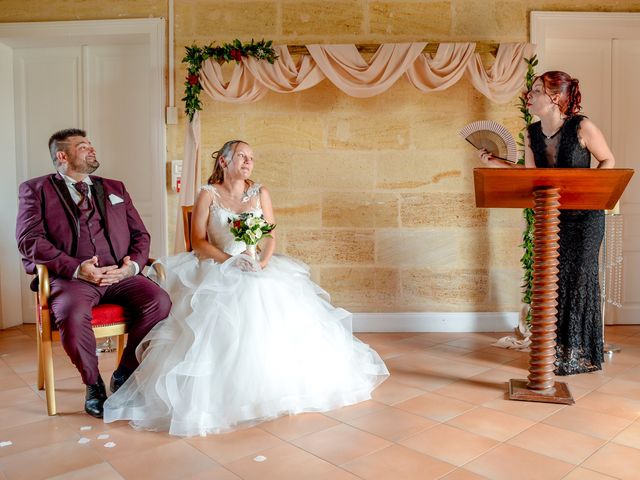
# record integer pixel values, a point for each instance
(562, 84)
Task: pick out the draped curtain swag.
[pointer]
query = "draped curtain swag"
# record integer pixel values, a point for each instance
(343, 66)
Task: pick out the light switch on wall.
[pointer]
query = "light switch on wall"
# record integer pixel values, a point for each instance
(172, 115)
(176, 175)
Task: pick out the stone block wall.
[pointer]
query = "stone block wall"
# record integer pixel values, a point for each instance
(375, 194)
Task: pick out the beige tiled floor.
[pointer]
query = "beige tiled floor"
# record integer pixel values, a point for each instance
(443, 414)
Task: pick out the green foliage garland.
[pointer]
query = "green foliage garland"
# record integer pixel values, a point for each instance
(527, 235)
(224, 53)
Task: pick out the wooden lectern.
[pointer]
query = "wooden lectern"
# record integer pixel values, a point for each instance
(547, 190)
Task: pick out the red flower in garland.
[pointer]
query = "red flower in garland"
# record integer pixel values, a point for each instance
(237, 224)
(236, 54)
(193, 79)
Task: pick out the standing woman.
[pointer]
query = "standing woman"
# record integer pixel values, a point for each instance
(564, 139)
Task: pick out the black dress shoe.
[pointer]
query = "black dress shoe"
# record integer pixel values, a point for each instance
(94, 399)
(118, 378)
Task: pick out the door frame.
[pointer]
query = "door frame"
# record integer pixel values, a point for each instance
(592, 25)
(35, 34)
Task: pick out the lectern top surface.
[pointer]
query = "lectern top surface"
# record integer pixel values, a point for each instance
(580, 188)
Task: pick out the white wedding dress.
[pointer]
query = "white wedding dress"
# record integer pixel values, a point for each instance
(241, 347)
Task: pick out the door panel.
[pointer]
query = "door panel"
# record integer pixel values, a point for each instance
(626, 105)
(47, 85)
(118, 117)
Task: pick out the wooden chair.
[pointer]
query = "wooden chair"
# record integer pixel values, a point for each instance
(109, 320)
(187, 210)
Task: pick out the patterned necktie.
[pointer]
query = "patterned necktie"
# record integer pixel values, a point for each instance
(83, 189)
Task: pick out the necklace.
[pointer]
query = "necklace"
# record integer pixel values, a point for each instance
(549, 137)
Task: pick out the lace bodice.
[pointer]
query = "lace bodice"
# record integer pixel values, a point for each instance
(562, 149)
(218, 231)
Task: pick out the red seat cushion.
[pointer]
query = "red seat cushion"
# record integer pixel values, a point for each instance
(107, 314)
(103, 314)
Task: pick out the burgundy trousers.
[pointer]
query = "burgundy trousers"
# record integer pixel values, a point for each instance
(71, 302)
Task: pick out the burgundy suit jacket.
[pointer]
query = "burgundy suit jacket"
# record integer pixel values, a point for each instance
(47, 226)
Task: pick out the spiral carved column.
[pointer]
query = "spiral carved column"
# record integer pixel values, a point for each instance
(544, 296)
(541, 386)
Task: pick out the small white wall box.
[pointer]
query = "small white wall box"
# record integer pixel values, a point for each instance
(176, 175)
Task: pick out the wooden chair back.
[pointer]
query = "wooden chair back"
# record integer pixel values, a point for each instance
(187, 210)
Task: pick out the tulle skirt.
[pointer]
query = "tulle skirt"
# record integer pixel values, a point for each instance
(239, 348)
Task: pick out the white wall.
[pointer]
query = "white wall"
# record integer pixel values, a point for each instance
(10, 307)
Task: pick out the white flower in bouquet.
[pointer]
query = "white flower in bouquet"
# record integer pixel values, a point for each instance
(254, 221)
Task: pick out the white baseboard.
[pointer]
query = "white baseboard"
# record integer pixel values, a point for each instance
(432, 322)
(435, 322)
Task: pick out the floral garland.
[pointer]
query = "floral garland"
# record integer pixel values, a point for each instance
(528, 234)
(227, 52)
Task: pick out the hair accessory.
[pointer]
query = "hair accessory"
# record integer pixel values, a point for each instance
(493, 137)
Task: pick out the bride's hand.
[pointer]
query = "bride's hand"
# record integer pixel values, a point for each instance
(245, 263)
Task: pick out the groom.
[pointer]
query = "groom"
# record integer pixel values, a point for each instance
(88, 234)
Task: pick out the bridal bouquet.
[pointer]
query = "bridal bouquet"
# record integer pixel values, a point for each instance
(250, 228)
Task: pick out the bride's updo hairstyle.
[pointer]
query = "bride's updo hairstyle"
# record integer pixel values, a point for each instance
(556, 82)
(227, 151)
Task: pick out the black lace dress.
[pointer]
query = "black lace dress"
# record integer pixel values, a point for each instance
(579, 334)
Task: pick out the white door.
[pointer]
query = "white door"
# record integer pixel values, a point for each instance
(626, 146)
(603, 52)
(108, 80)
(117, 106)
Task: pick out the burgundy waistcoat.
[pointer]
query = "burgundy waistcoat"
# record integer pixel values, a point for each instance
(92, 240)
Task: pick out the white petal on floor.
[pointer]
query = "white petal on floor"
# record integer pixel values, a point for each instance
(86, 427)
(260, 458)
(84, 440)
(103, 436)
(109, 445)
(8, 443)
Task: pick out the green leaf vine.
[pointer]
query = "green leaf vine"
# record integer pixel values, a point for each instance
(227, 52)
(528, 234)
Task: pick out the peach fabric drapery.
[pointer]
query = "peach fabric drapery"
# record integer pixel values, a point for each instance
(242, 88)
(505, 77)
(347, 70)
(285, 75)
(430, 74)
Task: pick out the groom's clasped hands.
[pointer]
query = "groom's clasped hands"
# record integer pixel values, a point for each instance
(91, 272)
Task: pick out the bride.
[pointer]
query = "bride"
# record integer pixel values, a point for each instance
(245, 341)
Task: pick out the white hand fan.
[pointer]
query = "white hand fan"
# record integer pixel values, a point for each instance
(493, 137)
